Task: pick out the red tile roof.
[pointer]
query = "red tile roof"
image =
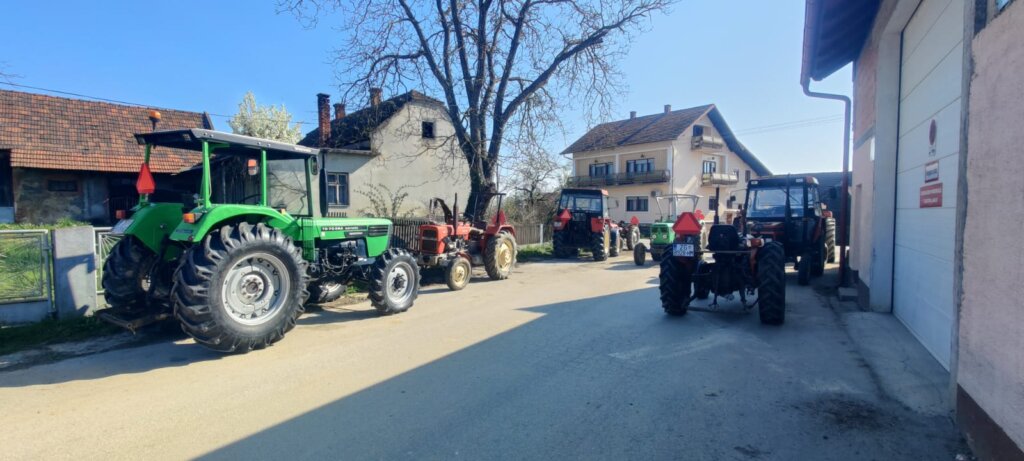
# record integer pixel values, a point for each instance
(50, 132)
(666, 126)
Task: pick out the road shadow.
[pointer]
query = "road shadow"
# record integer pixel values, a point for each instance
(323, 314)
(612, 377)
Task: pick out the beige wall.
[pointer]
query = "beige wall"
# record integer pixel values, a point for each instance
(406, 163)
(684, 163)
(991, 336)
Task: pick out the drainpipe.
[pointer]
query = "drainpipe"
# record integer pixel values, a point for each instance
(805, 82)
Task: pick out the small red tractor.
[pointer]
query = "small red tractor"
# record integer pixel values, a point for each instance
(454, 247)
(582, 222)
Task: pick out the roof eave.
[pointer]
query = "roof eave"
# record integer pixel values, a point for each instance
(834, 33)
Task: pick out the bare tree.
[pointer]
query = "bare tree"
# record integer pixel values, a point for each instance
(505, 68)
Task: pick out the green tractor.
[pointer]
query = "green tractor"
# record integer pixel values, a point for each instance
(662, 234)
(235, 263)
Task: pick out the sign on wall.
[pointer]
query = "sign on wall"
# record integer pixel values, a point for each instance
(931, 171)
(931, 195)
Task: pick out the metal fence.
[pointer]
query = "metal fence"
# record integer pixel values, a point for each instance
(24, 266)
(105, 242)
(533, 234)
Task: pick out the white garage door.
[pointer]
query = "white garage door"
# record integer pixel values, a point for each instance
(931, 73)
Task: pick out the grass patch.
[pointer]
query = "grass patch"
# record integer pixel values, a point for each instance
(60, 224)
(22, 337)
(529, 253)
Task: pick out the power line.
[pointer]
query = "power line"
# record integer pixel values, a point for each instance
(114, 101)
(791, 125)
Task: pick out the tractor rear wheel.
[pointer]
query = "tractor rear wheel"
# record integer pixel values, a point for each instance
(394, 282)
(702, 281)
(457, 273)
(599, 245)
(639, 254)
(771, 289)
(674, 283)
(560, 248)
(500, 256)
(632, 237)
(326, 291)
(242, 288)
(126, 273)
(830, 239)
(616, 243)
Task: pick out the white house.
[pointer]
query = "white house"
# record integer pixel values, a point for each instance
(673, 152)
(399, 146)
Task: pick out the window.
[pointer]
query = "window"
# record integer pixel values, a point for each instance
(746, 176)
(337, 189)
(600, 169)
(286, 185)
(713, 204)
(643, 165)
(710, 166)
(698, 131)
(582, 202)
(427, 130)
(637, 203)
(6, 181)
(62, 185)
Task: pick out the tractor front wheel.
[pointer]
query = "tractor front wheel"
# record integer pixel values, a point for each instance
(674, 283)
(394, 282)
(242, 288)
(326, 291)
(560, 248)
(639, 254)
(632, 237)
(599, 245)
(458, 273)
(771, 289)
(616, 244)
(803, 268)
(500, 256)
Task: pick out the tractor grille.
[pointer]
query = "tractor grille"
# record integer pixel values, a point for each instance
(377, 231)
(429, 246)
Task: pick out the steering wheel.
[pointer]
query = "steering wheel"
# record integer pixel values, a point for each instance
(256, 196)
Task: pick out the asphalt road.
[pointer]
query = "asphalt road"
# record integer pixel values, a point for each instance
(566, 360)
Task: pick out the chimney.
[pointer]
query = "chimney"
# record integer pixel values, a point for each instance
(339, 110)
(375, 97)
(668, 108)
(323, 109)
(632, 114)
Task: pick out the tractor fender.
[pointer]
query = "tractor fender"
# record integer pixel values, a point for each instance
(152, 223)
(215, 217)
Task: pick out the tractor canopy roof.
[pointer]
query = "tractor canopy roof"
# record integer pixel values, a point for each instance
(779, 181)
(585, 191)
(227, 143)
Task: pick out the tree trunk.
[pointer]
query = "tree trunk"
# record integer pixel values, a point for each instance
(482, 187)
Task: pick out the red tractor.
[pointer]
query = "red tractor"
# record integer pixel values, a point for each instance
(454, 246)
(582, 222)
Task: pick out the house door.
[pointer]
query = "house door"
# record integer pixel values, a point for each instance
(931, 72)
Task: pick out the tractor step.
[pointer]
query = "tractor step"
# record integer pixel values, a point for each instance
(132, 320)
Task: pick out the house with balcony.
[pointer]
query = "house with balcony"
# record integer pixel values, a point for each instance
(688, 151)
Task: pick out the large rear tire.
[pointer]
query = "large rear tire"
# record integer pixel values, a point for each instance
(639, 254)
(702, 281)
(394, 282)
(242, 288)
(126, 274)
(599, 245)
(771, 289)
(457, 273)
(830, 239)
(674, 284)
(559, 247)
(500, 256)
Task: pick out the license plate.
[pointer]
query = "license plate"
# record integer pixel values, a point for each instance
(683, 249)
(121, 226)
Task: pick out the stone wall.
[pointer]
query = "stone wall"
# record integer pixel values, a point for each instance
(35, 202)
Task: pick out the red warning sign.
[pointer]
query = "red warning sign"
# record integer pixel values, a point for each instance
(931, 195)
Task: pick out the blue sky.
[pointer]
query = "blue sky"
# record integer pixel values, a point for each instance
(742, 55)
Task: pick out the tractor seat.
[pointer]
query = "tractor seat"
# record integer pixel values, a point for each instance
(723, 237)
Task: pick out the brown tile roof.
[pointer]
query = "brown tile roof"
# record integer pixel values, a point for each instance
(666, 126)
(50, 132)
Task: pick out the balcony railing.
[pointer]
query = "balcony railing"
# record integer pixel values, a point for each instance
(706, 142)
(719, 179)
(617, 179)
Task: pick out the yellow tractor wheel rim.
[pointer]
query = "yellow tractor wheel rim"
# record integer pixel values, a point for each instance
(460, 274)
(505, 256)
